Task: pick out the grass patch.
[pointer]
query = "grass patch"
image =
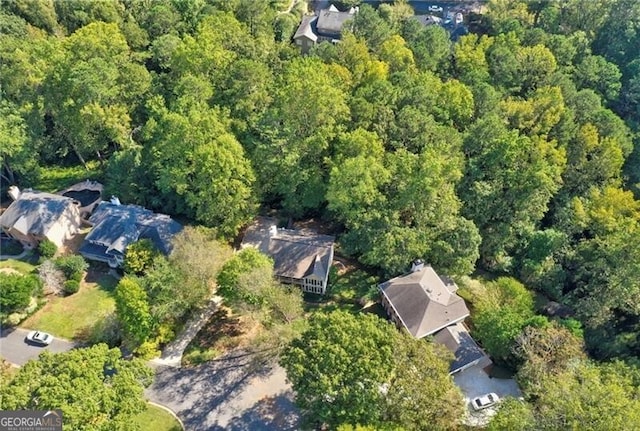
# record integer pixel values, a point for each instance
(351, 284)
(19, 265)
(57, 178)
(156, 419)
(74, 315)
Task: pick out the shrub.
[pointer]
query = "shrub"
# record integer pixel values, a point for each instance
(72, 267)
(139, 257)
(47, 249)
(17, 290)
(148, 350)
(199, 356)
(71, 286)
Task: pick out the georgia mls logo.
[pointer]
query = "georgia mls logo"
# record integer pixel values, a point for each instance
(31, 420)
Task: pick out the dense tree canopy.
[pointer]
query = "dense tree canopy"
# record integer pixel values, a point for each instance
(91, 386)
(513, 149)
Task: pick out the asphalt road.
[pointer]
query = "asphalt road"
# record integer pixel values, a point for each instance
(15, 349)
(232, 393)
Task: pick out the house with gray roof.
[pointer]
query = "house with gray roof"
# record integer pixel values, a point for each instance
(116, 226)
(301, 258)
(34, 216)
(426, 304)
(327, 25)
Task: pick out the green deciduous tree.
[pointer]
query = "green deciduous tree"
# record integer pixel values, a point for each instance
(17, 290)
(338, 367)
(94, 387)
(199, 167)
(501, 312)
(308, 110)
(421, 394)
(509, 181)
(92, 90)
(132, 308)
(248, 260)
(139, 257)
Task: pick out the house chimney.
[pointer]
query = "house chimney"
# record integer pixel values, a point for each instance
(273, 231)
(14, 192)
(417, 265)
(114, 200)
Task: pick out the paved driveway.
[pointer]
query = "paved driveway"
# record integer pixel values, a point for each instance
(232, 393)
(474, 382)
(15, 349)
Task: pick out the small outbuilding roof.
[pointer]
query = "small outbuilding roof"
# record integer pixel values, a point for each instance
(424, 301)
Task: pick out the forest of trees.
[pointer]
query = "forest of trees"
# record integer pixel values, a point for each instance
(514, 150)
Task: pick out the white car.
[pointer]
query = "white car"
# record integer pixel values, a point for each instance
(434, 8)
(38, 337)
(484, 401)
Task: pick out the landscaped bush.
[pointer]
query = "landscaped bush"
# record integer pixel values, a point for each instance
(71, 286)
(148, 350)
(17, 290)
(47, 249)
(72, 266)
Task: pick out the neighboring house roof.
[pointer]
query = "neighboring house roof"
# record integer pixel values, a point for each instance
(34, 213)
(330, 21)
(306, 28)
(457, 339)
(117, 226)
(295, 254)
(424, 301)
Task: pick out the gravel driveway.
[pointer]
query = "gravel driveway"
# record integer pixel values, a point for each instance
(231, 393)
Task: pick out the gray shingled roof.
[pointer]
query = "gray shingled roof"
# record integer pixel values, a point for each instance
(34, 212)
(306, 28)
(295, 254)
(331, 22)
(424, 301)
(117, 226)
(457, 339)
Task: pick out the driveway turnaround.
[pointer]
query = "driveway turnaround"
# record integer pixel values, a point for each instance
(232, 393)
(15, 349)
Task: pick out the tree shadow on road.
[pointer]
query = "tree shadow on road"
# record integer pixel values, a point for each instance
(195, 392)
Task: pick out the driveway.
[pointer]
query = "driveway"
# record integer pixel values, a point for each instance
(232, 393)
(15, 349)
(474, 382)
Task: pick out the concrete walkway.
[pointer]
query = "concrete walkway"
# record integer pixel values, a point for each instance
(172, 353)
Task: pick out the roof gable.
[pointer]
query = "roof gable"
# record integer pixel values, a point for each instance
(35, 212)
(295, 254)
(117, 226)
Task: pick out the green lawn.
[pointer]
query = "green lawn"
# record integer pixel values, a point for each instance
(56, 178)
(18, 265)
(156, 419)
(73, 316)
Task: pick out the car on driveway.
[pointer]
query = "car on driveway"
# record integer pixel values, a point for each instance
(484, 401)
(435, 8)
(41, 338)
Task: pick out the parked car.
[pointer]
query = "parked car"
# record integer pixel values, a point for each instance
(435, 8)
(484, 401)
(41, 338)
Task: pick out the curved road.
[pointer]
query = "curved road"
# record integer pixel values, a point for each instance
(15, 349)
(231, 393)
